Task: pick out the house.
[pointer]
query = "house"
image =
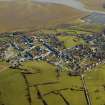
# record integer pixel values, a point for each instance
(75, 73)
(14, 64)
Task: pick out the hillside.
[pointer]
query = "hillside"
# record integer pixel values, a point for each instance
(17, 15)
(94, 4)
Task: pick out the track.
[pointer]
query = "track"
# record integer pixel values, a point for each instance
(86, 92)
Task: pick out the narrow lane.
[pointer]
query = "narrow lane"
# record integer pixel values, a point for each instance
(86, 92)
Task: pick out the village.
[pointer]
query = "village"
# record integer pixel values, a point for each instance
(78, 59)
(52, 52)
(87, 52)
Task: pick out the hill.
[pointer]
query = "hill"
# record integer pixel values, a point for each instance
(16, 15)
(94, 4)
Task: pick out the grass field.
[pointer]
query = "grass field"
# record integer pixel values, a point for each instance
(13, 86)
(48, 74)
(96, 82)
(70, 41)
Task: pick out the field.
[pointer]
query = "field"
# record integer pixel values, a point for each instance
(13, 86)
(96, 85)
(51, 88)
(70, 41)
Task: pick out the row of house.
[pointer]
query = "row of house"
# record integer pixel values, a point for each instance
(47, 47)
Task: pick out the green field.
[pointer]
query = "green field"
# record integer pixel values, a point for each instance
(13, 86)
(70, 41)
(13, 89)
(96, 82)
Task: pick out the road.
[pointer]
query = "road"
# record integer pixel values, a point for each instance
(86, 92)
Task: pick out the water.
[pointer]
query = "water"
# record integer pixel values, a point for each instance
(96, 18)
